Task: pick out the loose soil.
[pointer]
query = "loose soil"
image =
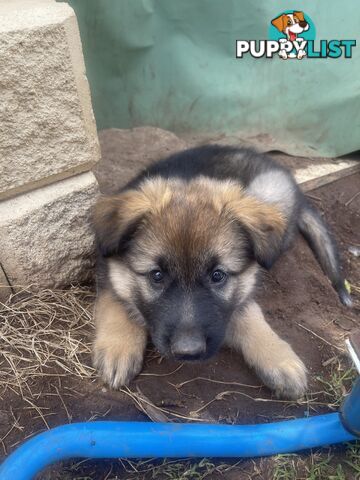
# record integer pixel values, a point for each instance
(298, 302)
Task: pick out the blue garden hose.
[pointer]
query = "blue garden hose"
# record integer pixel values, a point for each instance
(350, 410)
(147, 440)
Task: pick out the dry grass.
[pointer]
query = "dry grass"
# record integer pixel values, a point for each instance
(45, 334)
(49, 334)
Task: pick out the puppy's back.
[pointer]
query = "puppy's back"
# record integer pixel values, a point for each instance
(214, 161)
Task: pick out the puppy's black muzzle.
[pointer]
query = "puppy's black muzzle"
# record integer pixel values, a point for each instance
(188, 347)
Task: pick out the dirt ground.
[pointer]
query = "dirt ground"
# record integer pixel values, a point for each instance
(62, 387)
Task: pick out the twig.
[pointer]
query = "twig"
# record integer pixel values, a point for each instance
(35, 407)
(161, 374)
(352, 198)
(64, 405)
(321, 338)
(180, 385)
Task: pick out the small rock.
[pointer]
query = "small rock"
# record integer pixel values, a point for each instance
(354, 250)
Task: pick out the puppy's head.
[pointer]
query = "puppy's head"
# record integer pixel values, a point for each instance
(291, 24)
(183, 256)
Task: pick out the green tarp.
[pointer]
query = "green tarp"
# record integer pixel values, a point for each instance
(172, 64)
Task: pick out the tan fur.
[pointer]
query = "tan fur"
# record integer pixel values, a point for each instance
(122, 279)
(167, 201)
(119, 344)
(280, 22)
(226, 196)
(247, 281)
(125, 283)
(152, 196)
(274, 360)
(113, 214)
(259, 217)
(155, 194)
(299, 16)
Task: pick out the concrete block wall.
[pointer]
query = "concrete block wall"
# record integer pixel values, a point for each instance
(48, 144)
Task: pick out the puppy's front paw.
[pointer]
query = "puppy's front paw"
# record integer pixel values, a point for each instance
(301, 54)
(285, 374)
(283, 54)
(117, 363)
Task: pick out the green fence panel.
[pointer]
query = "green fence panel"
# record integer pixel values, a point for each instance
(172, 64)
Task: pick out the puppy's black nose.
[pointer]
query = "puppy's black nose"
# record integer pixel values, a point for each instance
(303, 24)
(186, 347)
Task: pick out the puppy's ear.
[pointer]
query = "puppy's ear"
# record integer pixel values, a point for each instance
(116, 218)
(279, 22)
(264, 224)
(299, 16)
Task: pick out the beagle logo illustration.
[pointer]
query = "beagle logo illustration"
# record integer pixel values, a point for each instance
(292, 36)
(291, 27)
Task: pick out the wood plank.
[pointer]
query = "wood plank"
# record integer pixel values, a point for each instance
(316, 176)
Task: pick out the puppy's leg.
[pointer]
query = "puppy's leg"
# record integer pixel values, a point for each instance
(273, 359)
(119, 343)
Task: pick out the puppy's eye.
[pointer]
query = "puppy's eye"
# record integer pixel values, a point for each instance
(218, 276)
(289, 22)
(156, 276)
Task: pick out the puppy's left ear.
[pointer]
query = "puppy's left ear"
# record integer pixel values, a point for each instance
(117, 218)
(279, 22)
(265, 226)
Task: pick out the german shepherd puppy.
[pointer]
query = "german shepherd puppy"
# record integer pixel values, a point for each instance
(179, 252)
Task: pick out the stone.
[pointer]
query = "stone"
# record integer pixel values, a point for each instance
(124, 152)
(47, 127)
(45, 235)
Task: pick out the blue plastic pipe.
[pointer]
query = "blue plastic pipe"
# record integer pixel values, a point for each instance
(146, 440)
(350, 410)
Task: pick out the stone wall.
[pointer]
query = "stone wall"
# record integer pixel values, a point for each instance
(48, 144)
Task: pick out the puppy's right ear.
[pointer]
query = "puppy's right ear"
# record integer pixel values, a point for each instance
(279, 22)
(116, 218)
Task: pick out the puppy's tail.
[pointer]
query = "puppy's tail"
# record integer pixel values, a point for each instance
(324, 247)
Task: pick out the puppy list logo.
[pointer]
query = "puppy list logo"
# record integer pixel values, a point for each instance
(292, 35)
